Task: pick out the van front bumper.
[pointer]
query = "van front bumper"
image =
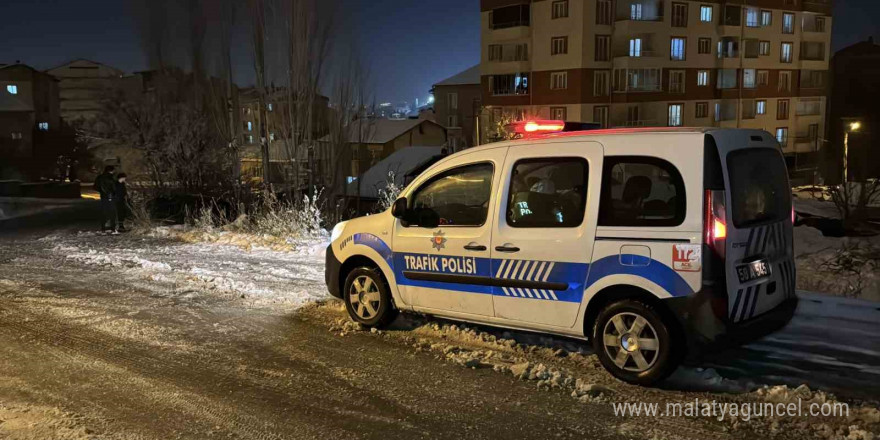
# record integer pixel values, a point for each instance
(332, 267)
(708, 333)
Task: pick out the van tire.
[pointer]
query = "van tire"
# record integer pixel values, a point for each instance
(656, 365)
(368, 299)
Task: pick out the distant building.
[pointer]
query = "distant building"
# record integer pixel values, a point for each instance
(457, 102)
(83, 84)
(752, 64)
(855, 94)
(371, 141)
(29, 107)
(281, 151)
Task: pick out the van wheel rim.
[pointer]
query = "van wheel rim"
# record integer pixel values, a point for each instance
(363, 295)
(631, 342)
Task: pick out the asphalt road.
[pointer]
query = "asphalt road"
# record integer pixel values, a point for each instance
(89, 354)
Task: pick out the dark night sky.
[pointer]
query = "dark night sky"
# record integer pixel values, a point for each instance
(409, 44)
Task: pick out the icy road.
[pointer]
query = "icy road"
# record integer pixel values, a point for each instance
(145, 337)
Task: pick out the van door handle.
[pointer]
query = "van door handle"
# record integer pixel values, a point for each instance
(475, 247)
(506, 248)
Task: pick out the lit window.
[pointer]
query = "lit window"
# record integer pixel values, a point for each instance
(761, 107)
(785, 55)
(43, 126)
(16, 136)
(675, 115)
(677, 49)
(250, 126)
(787, 23)
(782, 136)
(766, 18)
(12, 89)
(752, 19)
(703, 78)
(706, 14)
(270, 106)
(250, 138)
(635, 47)
(635, 12)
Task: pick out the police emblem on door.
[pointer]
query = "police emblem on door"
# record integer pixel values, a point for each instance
(438, 241)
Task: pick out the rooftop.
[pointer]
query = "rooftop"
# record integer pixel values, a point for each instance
(468, 77)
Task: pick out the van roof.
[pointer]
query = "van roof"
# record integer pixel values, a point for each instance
(591, 134)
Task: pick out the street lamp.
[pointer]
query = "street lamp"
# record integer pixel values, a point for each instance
(852, 127)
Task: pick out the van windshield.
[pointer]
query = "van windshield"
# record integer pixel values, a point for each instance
(758, 186)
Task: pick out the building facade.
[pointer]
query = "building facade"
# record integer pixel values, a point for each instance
(83, 84)
(457, 103)
(625, 63)
(29, 108)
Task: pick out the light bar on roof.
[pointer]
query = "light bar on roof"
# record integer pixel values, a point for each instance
(537, 126)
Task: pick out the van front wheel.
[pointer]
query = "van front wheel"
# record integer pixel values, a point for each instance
(634, 343)
(368, 299)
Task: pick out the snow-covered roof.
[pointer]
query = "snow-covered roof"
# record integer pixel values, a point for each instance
(381, 131)
(467, 77)
(400, 163)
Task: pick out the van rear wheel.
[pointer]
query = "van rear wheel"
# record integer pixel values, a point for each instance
(635, 343)
(368, 299)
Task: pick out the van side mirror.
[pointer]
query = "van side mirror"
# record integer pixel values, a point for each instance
(398, 209)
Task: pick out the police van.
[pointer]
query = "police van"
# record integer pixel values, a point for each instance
(650, 243)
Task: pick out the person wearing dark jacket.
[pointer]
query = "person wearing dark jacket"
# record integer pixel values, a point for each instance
(105, 184)
(121, 199)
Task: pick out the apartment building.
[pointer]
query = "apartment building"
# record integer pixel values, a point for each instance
(456, 105)
(29, 108)
(83, 84)
(625, 63)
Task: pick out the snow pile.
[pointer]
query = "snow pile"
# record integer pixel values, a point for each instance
(848, 266)
(261, 276)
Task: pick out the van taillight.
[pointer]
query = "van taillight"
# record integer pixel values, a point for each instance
(716, 222)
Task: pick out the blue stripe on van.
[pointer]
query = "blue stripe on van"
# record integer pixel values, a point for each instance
(578, 276)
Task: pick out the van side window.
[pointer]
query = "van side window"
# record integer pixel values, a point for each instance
(641, 191)
(548, 193)
(457, 197)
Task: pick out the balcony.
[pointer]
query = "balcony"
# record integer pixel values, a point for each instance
(625, 53)
(812, 51)
(509, 17)
(818, 6)
(639, 10)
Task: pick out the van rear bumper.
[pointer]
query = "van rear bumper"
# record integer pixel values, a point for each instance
(706, 332)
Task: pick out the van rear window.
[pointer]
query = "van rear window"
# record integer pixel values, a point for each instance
(758, 186)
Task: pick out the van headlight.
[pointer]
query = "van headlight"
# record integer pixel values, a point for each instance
(337, 231)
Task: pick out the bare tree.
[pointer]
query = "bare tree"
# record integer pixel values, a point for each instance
(258, 13)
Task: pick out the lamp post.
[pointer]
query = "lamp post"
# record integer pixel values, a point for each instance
(851, 127)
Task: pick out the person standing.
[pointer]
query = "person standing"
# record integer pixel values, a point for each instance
(121, 200)
(105, 184)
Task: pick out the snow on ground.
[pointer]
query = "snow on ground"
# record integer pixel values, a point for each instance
(260, 276)
(848, 266)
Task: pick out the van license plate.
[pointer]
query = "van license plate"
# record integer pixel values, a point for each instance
(753, 271)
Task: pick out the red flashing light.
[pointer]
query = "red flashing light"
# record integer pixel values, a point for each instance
(540, 126)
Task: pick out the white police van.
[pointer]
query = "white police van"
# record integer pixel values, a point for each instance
(648, 242)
